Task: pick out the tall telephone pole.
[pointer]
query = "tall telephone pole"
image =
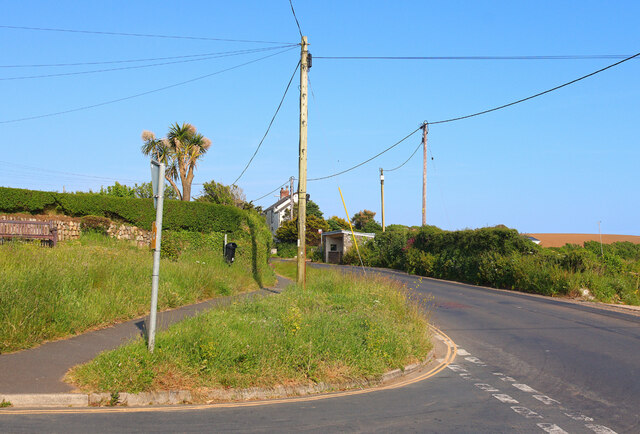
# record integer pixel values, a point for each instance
(425, 130)
(302, 167)
(291, 196)
(382, 195)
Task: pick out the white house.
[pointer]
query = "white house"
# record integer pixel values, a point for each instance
(280, 211)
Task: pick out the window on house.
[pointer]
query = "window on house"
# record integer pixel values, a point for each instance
(334, 247)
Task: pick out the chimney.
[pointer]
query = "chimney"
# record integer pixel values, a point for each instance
(284, 192)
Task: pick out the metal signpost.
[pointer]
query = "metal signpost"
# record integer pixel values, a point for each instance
(157, 180)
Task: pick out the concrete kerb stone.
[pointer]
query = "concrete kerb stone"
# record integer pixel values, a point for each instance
(176, 397)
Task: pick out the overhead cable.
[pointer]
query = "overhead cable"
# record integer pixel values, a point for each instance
(142, 35)
(273, 118)
(143, 93)
(296, 18)
(58, 172)
(478, 114)
(272, 191)
(561, 57)
(407, 160)
(122, 68)
(151, 59)
(537, 94)
(368, 160)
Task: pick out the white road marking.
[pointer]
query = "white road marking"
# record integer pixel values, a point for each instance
(524, 388)
(463, 352)
(499, 374)
(600, 429)
(545, 399)
(505, 398)
(524, 411)
(456, 368)
(467, 376)
(509, 379)
(475, 360)
(551, 428)
(580, 417)
(486, 387)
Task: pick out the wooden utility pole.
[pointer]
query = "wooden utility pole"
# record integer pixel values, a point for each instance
(425, 130)
(291, 195)
(382, 195)
(302, 167)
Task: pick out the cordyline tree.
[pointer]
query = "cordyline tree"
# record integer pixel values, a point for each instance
(180, 152)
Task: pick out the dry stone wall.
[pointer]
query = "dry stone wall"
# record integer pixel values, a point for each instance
(69, 228)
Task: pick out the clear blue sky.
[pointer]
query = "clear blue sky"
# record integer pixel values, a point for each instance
(558, 163)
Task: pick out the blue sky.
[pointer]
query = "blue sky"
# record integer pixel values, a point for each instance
(558, 163)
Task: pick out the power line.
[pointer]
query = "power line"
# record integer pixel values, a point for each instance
(370, 159)
(143, 93)
(296, 18)
(477, 114)
(272, 191)
(138, 66)
(273, 118)
(152, 59)
(407, 160)
(536, 95)
(560, 57)
(142, 35)
(79, 175)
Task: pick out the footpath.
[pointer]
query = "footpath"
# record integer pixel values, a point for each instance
(40, 370)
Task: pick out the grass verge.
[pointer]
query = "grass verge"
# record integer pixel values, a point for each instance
(96, 281)
(340, 328)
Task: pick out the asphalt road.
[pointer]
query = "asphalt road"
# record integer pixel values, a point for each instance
(524, 364)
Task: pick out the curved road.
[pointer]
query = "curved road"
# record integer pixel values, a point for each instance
(524, 364)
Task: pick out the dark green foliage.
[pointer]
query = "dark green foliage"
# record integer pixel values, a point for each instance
(215, 192)
(287, 250)
(314, 210)
(500, 257)
(361, 218)
(199, 217)
(336, 223)
(97, 224)
(288, 231)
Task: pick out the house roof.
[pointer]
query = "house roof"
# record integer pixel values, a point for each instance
(559, 240)
(278, 203)
(358, 234)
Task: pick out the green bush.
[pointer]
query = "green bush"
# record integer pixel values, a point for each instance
(97, 224)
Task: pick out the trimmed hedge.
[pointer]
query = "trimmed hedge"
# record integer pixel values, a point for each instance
(191, 216)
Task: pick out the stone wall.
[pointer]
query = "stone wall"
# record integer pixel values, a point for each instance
(69, 228)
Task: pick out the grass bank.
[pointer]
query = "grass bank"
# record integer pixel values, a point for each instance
(96, 281)
(340, 328)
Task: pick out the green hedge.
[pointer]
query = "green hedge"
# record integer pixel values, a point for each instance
(191, 216)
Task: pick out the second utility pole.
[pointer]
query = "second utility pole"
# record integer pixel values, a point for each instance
(382, 195)
(425, 130)
(302, 167)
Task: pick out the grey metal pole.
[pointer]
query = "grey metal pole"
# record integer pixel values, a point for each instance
(155, 276)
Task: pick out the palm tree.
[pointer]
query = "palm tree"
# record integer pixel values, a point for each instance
(180, 152)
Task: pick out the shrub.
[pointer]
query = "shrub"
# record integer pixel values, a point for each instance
(93, 223)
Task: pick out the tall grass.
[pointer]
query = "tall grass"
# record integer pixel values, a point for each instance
(97, 281)
(340, 328)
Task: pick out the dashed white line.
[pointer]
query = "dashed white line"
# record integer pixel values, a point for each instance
(504, 398)
(580, 417)
(509, 379)
(486, 387)
(545, 399)
(463, 352)
(475, 360)
(524, 411)
(600, 429)
(456, 368)
(551, 428)
(524, 388)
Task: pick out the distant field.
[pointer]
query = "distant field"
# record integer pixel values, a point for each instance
(559, 240)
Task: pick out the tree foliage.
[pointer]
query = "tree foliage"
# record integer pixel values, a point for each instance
(336, 223)
(288, 231)
(180, 150)
(361, 218)
(216, 192)
(314, 210)
(142, 191)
